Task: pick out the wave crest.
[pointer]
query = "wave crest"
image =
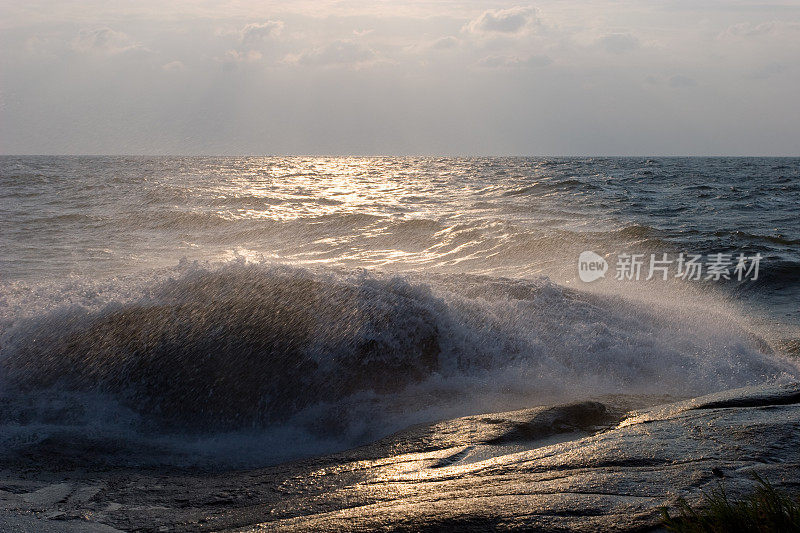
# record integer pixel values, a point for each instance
(237, 348)
(345, 357)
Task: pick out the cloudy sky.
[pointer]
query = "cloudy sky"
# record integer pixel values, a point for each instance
(425, 77)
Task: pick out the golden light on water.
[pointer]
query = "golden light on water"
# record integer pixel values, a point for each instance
(315, 188)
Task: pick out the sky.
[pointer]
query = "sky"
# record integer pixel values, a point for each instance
(381, 77)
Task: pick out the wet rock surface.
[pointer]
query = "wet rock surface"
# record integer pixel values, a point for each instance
(589, 466)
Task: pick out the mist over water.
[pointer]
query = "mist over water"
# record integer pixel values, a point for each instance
(249, 310)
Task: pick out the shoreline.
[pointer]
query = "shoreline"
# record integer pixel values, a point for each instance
(583, 466)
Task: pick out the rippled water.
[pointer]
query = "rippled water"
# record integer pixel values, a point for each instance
(249, 301)
(69, 214)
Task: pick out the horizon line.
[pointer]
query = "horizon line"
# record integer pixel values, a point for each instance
(454, 156)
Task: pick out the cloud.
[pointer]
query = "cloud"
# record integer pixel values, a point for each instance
(235, 56)
(42, 45)
(250, 39)
(514, 61)
(104, 41)
(512, 20)
(750, 30)
(619, 43)
(445, 43)
(173, 66)
(340, 52)
(767, 71)
(681, 81)
(260, 31)
(426, 48)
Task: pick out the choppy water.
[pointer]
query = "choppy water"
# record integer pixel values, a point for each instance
(248, 310)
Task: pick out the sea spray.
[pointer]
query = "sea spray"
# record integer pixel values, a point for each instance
(335, 358)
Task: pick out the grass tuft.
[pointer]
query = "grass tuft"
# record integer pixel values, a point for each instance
(766, 510)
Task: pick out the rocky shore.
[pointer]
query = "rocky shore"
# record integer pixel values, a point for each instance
(602, 465)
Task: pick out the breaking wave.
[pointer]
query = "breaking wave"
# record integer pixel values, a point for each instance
(244, 364)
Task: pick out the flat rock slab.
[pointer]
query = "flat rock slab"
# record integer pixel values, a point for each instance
(29, 524)
(49, 495)
(580, 467)
(614, 480)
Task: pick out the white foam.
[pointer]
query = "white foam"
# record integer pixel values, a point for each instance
(505, 343)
